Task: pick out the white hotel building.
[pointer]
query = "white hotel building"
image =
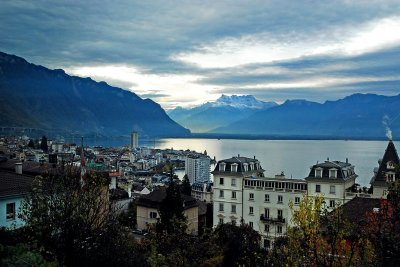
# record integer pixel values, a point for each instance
(242, 192)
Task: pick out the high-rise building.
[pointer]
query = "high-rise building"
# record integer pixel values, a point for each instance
(197, 168)
(134, 140)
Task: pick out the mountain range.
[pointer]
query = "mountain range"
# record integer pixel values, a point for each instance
(355, 116)
(222, 112)
(33, 96)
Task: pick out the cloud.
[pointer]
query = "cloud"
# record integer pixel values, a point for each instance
(184, 53)
(265, 48)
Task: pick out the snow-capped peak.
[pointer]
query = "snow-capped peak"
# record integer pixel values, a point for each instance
(241, 101)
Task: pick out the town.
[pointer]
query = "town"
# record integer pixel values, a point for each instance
(139, 177)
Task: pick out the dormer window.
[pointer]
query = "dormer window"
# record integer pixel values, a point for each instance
(234, 167)
(333, 173)
(390, 165)
(318, 172)
(390, 177)
(246, 167)
(222, 166)
(251, 166)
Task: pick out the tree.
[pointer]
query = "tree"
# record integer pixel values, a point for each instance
(74, 222)
(43, 144)
(185, 186)
(240, 245)
(383, 228)
(319, 238)
(31, 144)
(128, 217)
(171, 208)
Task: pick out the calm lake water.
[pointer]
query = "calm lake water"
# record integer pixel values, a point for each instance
(294, 157)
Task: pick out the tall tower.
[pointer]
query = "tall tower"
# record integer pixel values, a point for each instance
(134, 140)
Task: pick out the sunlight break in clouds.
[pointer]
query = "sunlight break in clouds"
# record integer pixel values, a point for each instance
(163, 88)
(264, 48)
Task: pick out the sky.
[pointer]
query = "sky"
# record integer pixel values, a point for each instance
(185, 53)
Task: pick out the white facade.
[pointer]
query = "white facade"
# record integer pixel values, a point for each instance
(197, 168)
(134, 140)
(241, 192)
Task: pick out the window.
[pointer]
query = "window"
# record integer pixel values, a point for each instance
(280, 199)
(221, 193)
(331, 203)
(221, 206)
(251, 210)
(280, 214)
(266, 199)
(234, 167)
(233, 195)
(233, 182)
(297, 200)
(221, 181)
(222, 166)
(10, 211)
(233, 208)
(251, 196)
(221, 220)
(390, 177)
(332, 189)
(279, 229)
(318, 188)
(266, 213)
(251, 224)
(266, 228)
(318, 172)
(332, 173)
(267, 243)
(153, 215)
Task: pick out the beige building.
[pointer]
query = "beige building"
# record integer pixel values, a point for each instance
(148, 211)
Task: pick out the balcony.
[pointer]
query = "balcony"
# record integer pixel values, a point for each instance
(272, 220)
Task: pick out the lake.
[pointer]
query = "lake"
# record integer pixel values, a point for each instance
(294, 157)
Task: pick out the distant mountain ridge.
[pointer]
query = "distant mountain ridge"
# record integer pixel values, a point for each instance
(37, 97)
(357, 115)
(223, 111)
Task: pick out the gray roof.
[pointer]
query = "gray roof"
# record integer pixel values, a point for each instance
(390, 155)
(13, 184)
(240, 161)
(345, 171)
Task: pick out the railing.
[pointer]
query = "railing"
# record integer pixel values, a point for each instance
(356, 194)
(272, 220)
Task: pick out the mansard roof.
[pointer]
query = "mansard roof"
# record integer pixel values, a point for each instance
(240, 162)
(345, 170)
(389, 156)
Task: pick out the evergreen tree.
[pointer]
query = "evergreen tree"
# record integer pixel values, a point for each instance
(31, 144)
(171, 208)
(43, 144)
(185, 187)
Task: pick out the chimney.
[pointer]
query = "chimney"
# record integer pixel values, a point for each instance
(18, 167)
(347, 160)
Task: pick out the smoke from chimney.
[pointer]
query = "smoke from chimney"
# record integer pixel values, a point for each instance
(385, 122)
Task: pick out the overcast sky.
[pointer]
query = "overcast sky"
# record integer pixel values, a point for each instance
(184, 53)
